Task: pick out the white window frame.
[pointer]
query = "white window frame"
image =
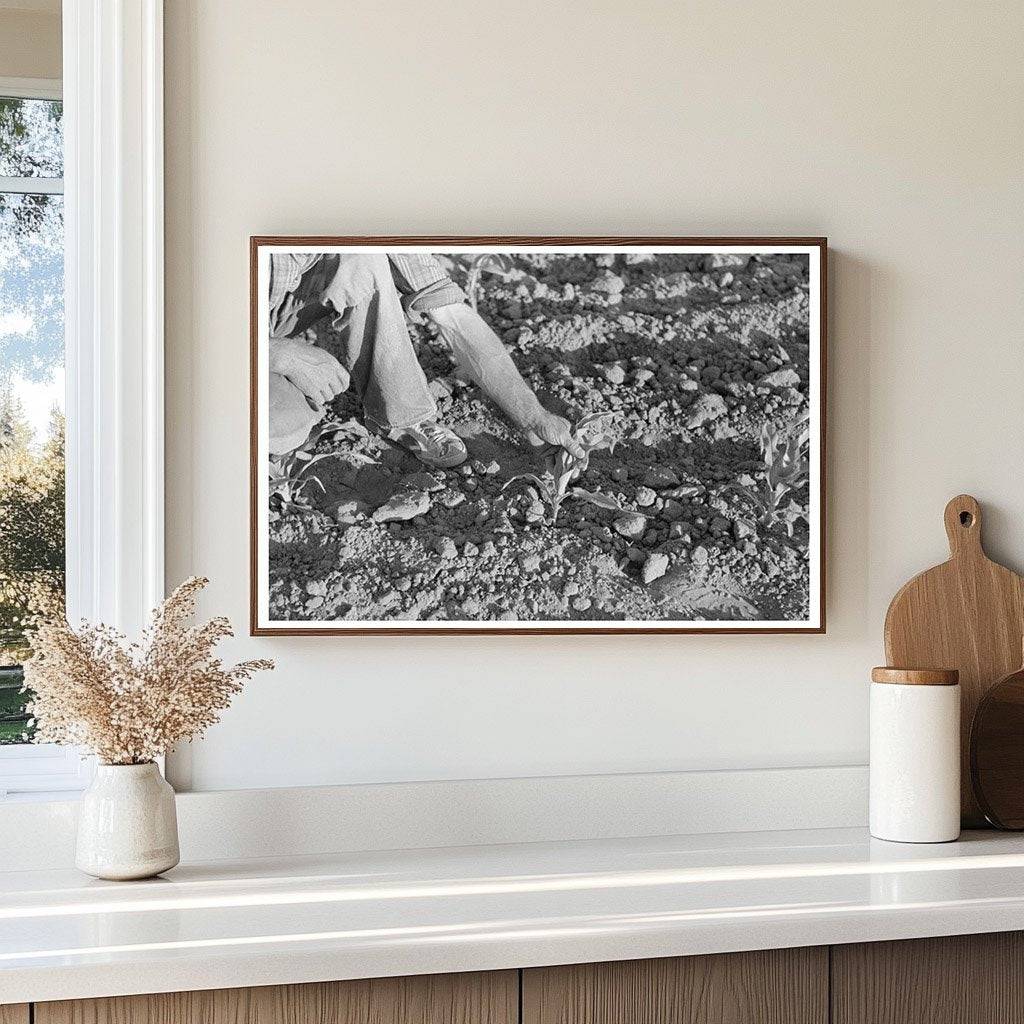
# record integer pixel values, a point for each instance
(32, 88)
(114, 323)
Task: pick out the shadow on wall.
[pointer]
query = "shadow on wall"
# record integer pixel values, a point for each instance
(853, 286)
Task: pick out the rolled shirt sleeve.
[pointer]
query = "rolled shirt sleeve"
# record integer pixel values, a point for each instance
(423, 282)
(286, 272)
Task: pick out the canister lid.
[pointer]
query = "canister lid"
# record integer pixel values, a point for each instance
(916, 676)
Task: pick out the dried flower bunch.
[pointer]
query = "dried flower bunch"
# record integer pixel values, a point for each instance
(129, 703)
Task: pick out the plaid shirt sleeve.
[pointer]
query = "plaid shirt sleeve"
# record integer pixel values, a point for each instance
(423, 282)
(286, 270)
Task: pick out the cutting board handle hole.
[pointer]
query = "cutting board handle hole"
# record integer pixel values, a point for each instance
(962, 517)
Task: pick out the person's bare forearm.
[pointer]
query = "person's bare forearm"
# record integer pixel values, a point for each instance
(483, 358)
(479, 353)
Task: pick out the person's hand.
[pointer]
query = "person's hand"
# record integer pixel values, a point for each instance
(547, 428)
(485, 360)
(314, 371)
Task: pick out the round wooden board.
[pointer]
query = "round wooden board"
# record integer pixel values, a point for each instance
(997, 752)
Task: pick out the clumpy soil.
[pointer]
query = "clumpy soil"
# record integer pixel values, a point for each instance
(692, 354)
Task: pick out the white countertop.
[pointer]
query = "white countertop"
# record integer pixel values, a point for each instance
(262, 922)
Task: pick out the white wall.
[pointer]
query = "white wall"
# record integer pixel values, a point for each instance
(895, 129)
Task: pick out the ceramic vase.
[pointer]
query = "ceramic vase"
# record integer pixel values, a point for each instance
(127, 825)
(915, 755)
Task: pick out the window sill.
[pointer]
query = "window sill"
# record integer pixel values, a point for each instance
(42, 771)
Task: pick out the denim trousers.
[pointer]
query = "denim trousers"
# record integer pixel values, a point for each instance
(360, 292)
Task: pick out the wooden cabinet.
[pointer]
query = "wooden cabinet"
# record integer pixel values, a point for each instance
(963, 979)
(491, 998)
(970, 979)
(777, 986)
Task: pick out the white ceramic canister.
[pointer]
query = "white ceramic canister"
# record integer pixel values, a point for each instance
(127, 825)
(915, 755)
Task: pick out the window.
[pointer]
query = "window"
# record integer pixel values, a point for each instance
(32, 514)
(107, 143)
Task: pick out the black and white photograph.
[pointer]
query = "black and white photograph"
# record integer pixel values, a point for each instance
(508, 435)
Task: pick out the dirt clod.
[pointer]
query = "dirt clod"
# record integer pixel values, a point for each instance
(707, 408)
(655, 567)
(402, 506)
(631, 525)
(661, 477)
(445, 547)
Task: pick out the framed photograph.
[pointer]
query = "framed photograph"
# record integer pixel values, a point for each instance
(537, 435)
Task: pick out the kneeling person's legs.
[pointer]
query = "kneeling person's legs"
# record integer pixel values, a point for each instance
(380, 356)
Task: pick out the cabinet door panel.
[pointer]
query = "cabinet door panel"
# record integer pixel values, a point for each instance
(14, 1013)
(961, 979)
(778, 986)
(481, 998)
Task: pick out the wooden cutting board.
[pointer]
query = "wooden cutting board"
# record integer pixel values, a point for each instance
(967, 614)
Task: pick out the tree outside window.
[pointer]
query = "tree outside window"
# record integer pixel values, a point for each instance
(32, 554)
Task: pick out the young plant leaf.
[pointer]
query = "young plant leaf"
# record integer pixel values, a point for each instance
(598, 499)
(489, 262)
(540, 484)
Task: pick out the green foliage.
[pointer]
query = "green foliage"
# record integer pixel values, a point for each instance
(30, 134)
(32, 549)
(784, 469)
(15, 721)
(31, 146)
(31, 242)
(563, 468)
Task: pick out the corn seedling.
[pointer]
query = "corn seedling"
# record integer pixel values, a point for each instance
(492, 263)
(562, 468)
(288, 473)
(288, 479)
(784, 468)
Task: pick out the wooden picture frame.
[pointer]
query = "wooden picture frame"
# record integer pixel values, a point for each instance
(760, 253)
